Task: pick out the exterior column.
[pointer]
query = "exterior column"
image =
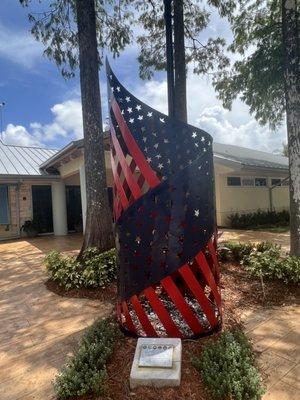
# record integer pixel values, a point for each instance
(59, 208)
(83, 194)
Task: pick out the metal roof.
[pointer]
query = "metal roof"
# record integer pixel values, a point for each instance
(22, 160)
(249, 158)
(31, 161)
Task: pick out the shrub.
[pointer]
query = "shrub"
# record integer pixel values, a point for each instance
(269, 264)
(235, 251)
(94, 270)
(259, 219)
(85, 372)
(227, 368)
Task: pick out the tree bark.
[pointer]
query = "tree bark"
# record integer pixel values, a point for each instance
(180, 108)
(170, 55)
(98, 229)
(290, 41)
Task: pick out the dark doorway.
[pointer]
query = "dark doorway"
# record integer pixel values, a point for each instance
(74, 210)
(42, 208)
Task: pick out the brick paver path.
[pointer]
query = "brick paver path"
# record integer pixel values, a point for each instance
(276, 337)
(256, 236)
(38, 328)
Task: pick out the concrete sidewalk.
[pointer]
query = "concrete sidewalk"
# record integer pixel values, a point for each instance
(243, 236)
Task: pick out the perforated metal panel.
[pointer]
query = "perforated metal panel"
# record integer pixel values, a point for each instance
(165, 219)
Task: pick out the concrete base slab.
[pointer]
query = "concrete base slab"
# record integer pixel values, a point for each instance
(151, 364)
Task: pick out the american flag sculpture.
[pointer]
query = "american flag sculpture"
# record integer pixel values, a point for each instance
(165, 220)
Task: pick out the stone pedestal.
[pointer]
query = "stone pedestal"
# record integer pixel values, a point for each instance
(157, 363)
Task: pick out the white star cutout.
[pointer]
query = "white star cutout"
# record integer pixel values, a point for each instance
(131, 120)
(194, 135)
(162, 120)
(146, 149)
(149, 114)
(122, 112)
(202, 139)
(154, 134)
(149, 159)
(118, 88)
(158, 156)
(140, 117)
(144, 139)
(138, 107)
(156, 145)
(160, 166)
(127, 99)
(197, 213)
(129, 109)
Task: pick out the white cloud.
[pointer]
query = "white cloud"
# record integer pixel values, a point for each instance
(206, 111)
(250, 134)
(19, 47)
(18, 135)
(67, 123)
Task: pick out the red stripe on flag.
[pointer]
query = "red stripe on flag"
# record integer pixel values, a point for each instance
(134, 149)
(134, 187)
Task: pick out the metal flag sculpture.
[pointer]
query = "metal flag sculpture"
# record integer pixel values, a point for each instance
(165, 220)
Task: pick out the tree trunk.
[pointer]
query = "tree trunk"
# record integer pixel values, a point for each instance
(180, 109)
(292, 98)
(170, 55)
(98, 229)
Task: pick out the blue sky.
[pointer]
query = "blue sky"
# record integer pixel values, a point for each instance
(43, 109)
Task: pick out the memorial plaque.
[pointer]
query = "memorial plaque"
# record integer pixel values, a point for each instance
(156, 356)
(156, 363)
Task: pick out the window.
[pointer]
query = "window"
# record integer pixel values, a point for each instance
(248, 182)
(4, 210)
(233, 181)
(260, 182)
(275, 182)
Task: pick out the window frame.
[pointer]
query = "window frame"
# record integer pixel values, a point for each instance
(280, 179)
(260, 186)
(237, 177)
(8, 205)
(249, 178)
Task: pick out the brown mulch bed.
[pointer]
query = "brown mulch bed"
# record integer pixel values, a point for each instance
(239, 293)
(107, 294)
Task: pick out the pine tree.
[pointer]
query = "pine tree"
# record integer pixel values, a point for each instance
(267, 79)
(74, 33)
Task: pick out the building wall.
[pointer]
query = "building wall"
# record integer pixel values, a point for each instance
(241, 199)
(72, 167)
(20, 207)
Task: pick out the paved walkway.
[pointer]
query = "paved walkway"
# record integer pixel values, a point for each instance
(38, 328)
(256, 236)
(275, 334)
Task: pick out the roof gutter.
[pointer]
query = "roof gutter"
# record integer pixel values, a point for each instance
(52, 160)
(21, 178)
